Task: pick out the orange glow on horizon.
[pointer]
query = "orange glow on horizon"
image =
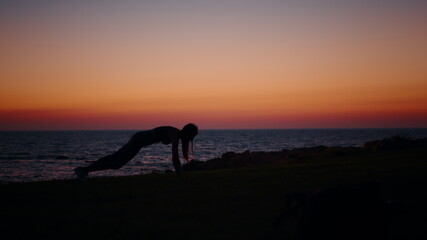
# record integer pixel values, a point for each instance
(75, 120)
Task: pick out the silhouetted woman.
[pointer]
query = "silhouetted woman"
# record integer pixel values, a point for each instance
(166, 135)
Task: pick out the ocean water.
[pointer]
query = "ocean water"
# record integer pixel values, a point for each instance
(46, 155)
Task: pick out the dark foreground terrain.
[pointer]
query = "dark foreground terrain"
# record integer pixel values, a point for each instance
(377, 191)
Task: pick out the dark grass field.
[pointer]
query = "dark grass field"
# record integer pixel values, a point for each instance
(274, 201)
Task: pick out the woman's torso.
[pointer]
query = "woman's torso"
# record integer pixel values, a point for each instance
(165, 134)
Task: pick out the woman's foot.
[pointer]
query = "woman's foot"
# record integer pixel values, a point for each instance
(80, 173)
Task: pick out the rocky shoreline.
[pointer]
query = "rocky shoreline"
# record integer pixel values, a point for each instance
(247, 158)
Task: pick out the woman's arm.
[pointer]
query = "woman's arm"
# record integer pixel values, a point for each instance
(175, 155)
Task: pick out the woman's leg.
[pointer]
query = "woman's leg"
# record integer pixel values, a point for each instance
(113, 161)
(119, 158)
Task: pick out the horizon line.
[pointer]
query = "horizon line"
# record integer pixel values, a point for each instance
(209, 129)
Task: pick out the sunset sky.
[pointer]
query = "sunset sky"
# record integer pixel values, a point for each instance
(220, 64)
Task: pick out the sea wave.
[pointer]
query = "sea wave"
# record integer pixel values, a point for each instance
(34, 156)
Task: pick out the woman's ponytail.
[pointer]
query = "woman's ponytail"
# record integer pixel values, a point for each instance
(188, 132)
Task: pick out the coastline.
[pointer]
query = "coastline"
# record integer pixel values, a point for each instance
(256, 201)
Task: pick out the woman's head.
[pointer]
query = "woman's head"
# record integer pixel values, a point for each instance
(188, 133)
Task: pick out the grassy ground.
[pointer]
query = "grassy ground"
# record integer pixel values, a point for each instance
(244, 203)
